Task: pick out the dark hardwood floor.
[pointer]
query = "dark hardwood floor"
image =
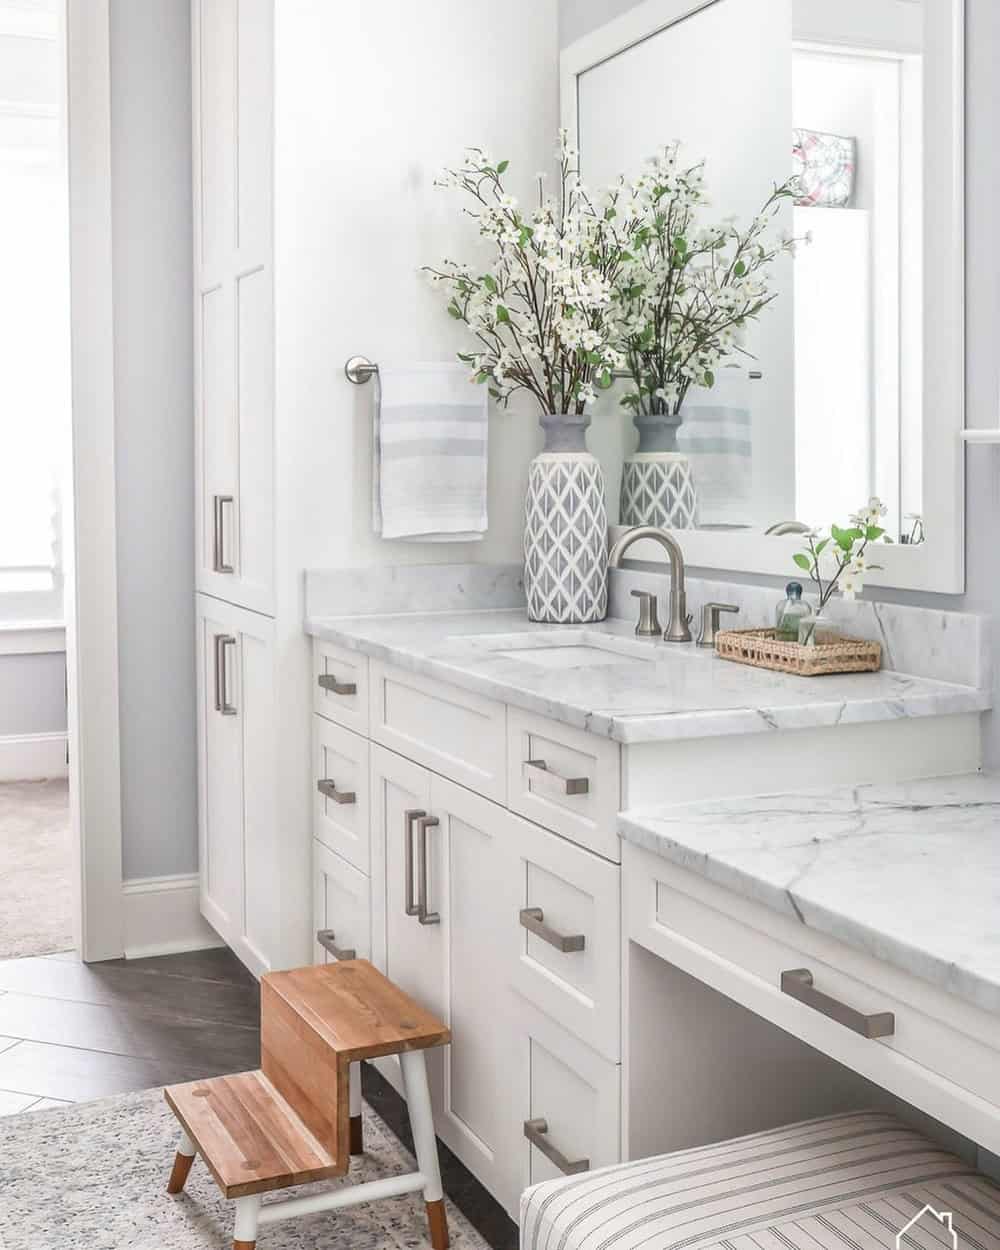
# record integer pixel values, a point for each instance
(71, 1032)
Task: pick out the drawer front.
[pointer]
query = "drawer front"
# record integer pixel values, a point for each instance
(567, 1100)
(939, 1053)
(577, 792)
(341, 905)
(340, 685)
(566, 924)
(449, 730)
(341, 792)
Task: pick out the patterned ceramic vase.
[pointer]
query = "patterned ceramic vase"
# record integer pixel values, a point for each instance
(657, 485)
(565, 528)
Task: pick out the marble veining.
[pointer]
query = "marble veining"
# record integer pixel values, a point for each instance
(658, 691)
(414, 588)
(908, 872)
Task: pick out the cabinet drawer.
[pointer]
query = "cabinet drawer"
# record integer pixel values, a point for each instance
(565, 922)
(449, 730)
(939, 1053)
(341, 798)
(341, 905)
(567, 1099)
(340, 685)
(577, 791)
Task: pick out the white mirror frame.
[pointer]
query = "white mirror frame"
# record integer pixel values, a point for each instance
(938, 564)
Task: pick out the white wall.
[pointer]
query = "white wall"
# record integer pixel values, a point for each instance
(982, 162)
(151, 208)
(372, 100)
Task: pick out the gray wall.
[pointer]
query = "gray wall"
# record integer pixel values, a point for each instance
(578, 17)
(32, 694)
(151, 210)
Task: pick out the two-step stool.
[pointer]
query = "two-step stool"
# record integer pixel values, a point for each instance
(291, 1122)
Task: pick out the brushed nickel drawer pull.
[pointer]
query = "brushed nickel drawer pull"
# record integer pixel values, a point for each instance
(536, 1132)
(219, 564)
(329, 790)
(423, 915)
(545, 779)
(797, 983)
(327, 681)
(533, 919)
(325, 938)
(222, 704)
(408, 818)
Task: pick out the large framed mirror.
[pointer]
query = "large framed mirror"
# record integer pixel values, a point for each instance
(850, 382)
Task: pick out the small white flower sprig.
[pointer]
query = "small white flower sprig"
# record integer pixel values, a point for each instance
(691, 288)
(844, 552)
(546, 313)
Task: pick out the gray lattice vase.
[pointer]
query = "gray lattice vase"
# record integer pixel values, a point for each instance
(657, 485)
(565, 528)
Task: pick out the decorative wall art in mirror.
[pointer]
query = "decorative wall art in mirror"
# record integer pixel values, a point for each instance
(845, 379)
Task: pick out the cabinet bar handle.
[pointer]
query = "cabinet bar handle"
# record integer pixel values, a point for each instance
(536, 1132)
(222, 641)
(219, 564)
(533, 919)
(325, 938)
(329, 790)
(408, 818)
(327, 681)
(423, 824)
(545, 779)
(797, 983)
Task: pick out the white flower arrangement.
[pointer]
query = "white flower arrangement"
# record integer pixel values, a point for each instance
(690, 289)
(839, 560)
(546, 314)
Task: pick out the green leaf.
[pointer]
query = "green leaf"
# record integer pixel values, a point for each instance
(455, 311)
(605, 380)
(709, 377)
(483, 377)
(502, 167)
(803, 561)
(739, 269)
(822, 545)
(592, 358)
(680, 244)
(503, 316)
(872, 533)
(489, 283)
(843, 538)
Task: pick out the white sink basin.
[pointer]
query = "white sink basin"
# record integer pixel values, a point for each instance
(572, 649)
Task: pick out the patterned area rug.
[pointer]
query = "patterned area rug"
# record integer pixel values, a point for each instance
(93, 1177)
(36, 903)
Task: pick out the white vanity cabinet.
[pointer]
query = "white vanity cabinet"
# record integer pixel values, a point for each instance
(508, 930)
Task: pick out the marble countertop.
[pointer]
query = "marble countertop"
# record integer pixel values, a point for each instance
(909, 873)
(644, 691)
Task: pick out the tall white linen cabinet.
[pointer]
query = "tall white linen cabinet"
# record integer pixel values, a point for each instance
(254, 804)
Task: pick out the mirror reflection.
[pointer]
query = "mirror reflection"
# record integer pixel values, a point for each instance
(813, 400)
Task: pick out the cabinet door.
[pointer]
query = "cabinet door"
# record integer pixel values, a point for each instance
(238, 842)
(234, 330)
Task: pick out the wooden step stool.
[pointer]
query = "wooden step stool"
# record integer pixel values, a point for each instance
(291, 1122)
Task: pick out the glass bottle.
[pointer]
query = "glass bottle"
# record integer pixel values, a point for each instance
(790, 612)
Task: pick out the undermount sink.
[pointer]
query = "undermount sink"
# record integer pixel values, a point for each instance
(569, 649)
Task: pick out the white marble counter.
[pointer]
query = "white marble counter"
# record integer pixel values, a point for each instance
(909, 873)
(650, 691)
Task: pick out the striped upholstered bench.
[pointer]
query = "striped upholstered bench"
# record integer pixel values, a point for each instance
(844, 1182)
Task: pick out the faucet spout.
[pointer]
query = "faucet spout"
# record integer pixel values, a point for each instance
(678, 629)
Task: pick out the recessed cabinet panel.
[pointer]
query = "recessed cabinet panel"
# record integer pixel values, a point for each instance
(568, 1098)
(341, 792)
(340, 685)
(564, 925)
(265, 838)
(219, 432)
(255, 126)
(452, 731)
(341, 905)
(565, 779)
(215, 23)
(254, 509)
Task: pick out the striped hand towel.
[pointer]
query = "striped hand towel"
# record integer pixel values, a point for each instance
(430, 455)
(717, 436)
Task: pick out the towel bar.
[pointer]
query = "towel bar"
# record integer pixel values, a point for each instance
(359, 370)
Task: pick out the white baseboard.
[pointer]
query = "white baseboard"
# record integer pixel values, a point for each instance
(33, 757)
(162, 917)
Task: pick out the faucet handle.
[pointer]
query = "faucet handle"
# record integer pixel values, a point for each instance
(648, 625)
(710, 621)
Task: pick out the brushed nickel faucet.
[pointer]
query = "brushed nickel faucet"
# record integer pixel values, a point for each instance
(678, 626)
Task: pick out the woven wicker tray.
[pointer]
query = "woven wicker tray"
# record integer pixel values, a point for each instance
(761, 649)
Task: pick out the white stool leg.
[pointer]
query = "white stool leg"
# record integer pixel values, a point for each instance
(182, 1164)
(357, 1133)
(418, 1100)
(245, 1232)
